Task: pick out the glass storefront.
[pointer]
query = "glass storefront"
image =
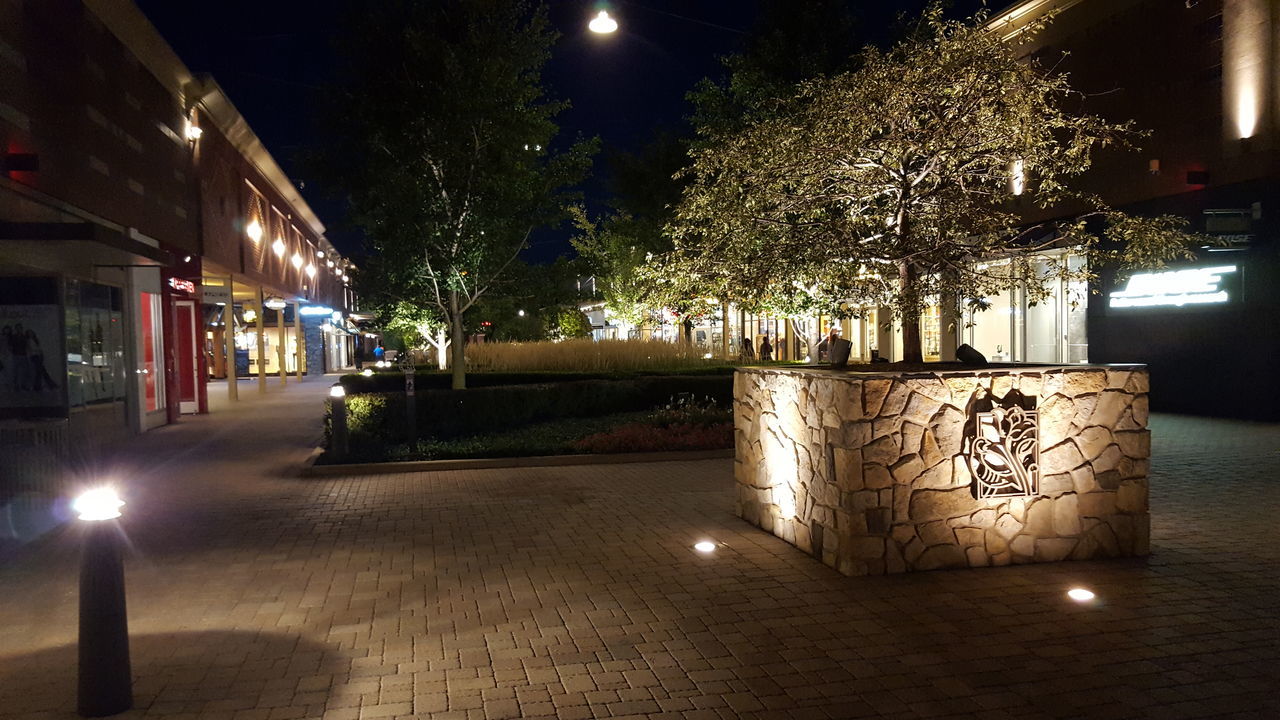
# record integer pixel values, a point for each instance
(1050, 330)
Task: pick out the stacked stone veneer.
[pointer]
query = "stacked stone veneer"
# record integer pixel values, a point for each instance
(867, 472)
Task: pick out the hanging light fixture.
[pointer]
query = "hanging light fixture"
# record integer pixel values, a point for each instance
(602, 24)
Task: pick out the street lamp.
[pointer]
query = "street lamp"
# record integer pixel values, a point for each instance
(602, 24)
(106, 679)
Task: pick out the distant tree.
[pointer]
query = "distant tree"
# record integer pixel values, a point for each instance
(644, 190)
(440, 138)
(790, 42)
(892, 183)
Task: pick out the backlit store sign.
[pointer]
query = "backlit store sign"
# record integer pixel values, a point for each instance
(181, 285)
(1174, 288)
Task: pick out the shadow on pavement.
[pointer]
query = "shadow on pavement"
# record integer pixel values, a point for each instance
(185, 672)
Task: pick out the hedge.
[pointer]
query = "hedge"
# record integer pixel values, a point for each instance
(392, 380)
(377, 420)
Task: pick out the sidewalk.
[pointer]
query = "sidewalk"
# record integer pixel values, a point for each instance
(574, 593)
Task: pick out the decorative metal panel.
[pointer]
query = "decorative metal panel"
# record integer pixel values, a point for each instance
(1005, 454)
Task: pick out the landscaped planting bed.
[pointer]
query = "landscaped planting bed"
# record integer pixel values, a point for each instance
(639, 413)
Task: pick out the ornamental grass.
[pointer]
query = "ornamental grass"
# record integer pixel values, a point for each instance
(587, 355)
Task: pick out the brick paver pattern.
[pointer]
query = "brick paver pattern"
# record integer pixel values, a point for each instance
(575, 593)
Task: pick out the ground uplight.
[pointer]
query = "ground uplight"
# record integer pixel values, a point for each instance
(1080, 594)
(706, 546)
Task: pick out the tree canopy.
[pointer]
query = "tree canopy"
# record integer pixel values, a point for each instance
(443, 144)
(891, 184)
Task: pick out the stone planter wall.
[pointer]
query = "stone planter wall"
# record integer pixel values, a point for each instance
(871, 472)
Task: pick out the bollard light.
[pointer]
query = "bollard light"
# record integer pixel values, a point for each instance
(99, 504)
(367, 372)
(338, 421)
(106, 679)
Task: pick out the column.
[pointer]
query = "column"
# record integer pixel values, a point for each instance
(282, 349)
(300, 353)
(724, 329)
(949, 327)
(262, 343)
(229, 339)
(884, 332)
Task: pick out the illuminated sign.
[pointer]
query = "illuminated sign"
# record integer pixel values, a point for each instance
(308, 310)
(181, 285)
(1174, 288)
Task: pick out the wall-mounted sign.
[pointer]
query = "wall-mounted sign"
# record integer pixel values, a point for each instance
(185, 286)
(1004, 455)
(1174, 288)
(217, 294)
(310, 310)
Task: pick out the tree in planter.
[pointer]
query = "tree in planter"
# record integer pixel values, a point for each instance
(440, 139)
(900, 183)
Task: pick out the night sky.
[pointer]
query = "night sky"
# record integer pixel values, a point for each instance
(271, 55)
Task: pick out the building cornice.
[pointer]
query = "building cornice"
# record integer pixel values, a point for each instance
(1014, 19)
(126, 21)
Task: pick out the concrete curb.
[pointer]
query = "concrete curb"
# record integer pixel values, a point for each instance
(310, 469)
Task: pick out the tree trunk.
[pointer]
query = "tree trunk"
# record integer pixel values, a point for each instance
(912, 350)
(442, 347)
(458, 346)
(802, 332)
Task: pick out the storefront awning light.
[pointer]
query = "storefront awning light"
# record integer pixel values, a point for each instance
(310, 310)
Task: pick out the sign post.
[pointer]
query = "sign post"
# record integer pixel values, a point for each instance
(410, 395)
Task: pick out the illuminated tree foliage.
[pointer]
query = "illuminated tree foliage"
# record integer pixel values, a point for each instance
(441, 139)
(891, 184)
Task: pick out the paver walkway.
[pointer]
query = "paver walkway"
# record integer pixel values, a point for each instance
(574, 593)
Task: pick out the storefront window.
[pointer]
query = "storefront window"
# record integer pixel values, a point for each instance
(152, 351)
(95, 344)
(991, 330)
(1042, 322)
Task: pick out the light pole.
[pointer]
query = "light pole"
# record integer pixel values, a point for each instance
(106, 681)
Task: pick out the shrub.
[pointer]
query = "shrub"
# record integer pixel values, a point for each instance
(392, 381)
(645, 437)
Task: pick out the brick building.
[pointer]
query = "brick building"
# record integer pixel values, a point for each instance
(149, 244)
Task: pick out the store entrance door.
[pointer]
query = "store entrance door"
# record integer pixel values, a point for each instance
(185, 349)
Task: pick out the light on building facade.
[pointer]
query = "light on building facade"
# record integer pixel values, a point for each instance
(278, 247)
(254, 230)
(311, 270)
(297, 261)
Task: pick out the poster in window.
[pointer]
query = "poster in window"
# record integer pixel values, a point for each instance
(31, 374)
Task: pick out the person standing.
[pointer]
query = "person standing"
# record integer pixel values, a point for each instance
(766, 349)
